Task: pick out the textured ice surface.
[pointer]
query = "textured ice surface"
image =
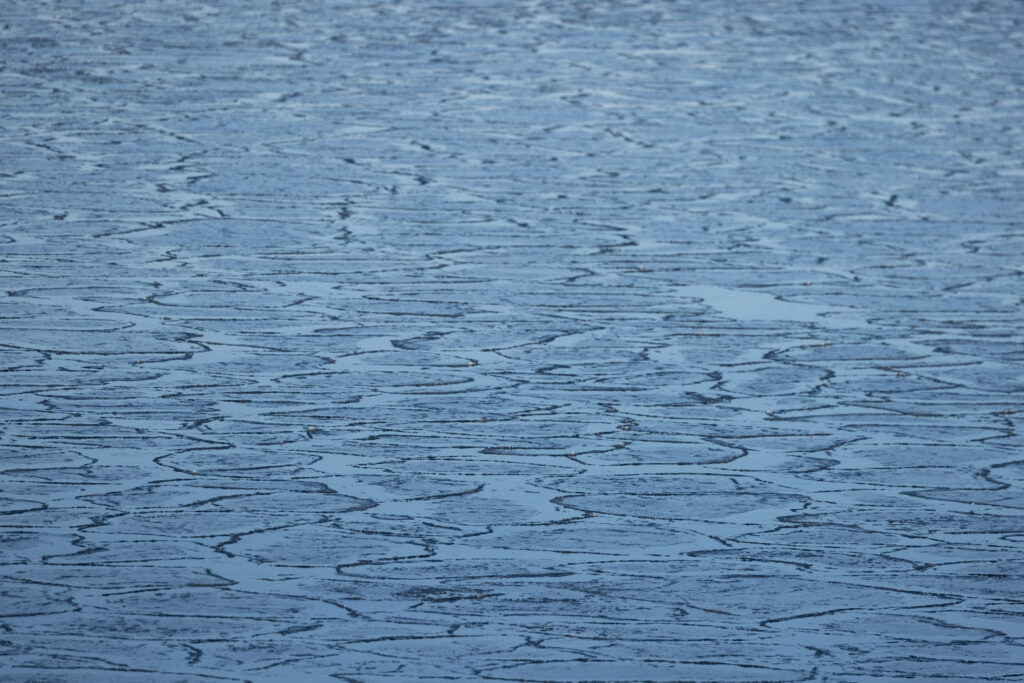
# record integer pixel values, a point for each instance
(511, 340)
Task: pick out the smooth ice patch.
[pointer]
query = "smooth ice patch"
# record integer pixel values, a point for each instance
(745, 305)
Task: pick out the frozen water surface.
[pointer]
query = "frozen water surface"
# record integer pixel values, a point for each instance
(527, 341)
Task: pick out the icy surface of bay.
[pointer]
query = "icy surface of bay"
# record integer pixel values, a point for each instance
(525, 340)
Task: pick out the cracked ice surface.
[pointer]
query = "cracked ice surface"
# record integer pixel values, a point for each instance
(520, 340)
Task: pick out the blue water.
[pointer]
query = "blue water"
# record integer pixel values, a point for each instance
(525, 340)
